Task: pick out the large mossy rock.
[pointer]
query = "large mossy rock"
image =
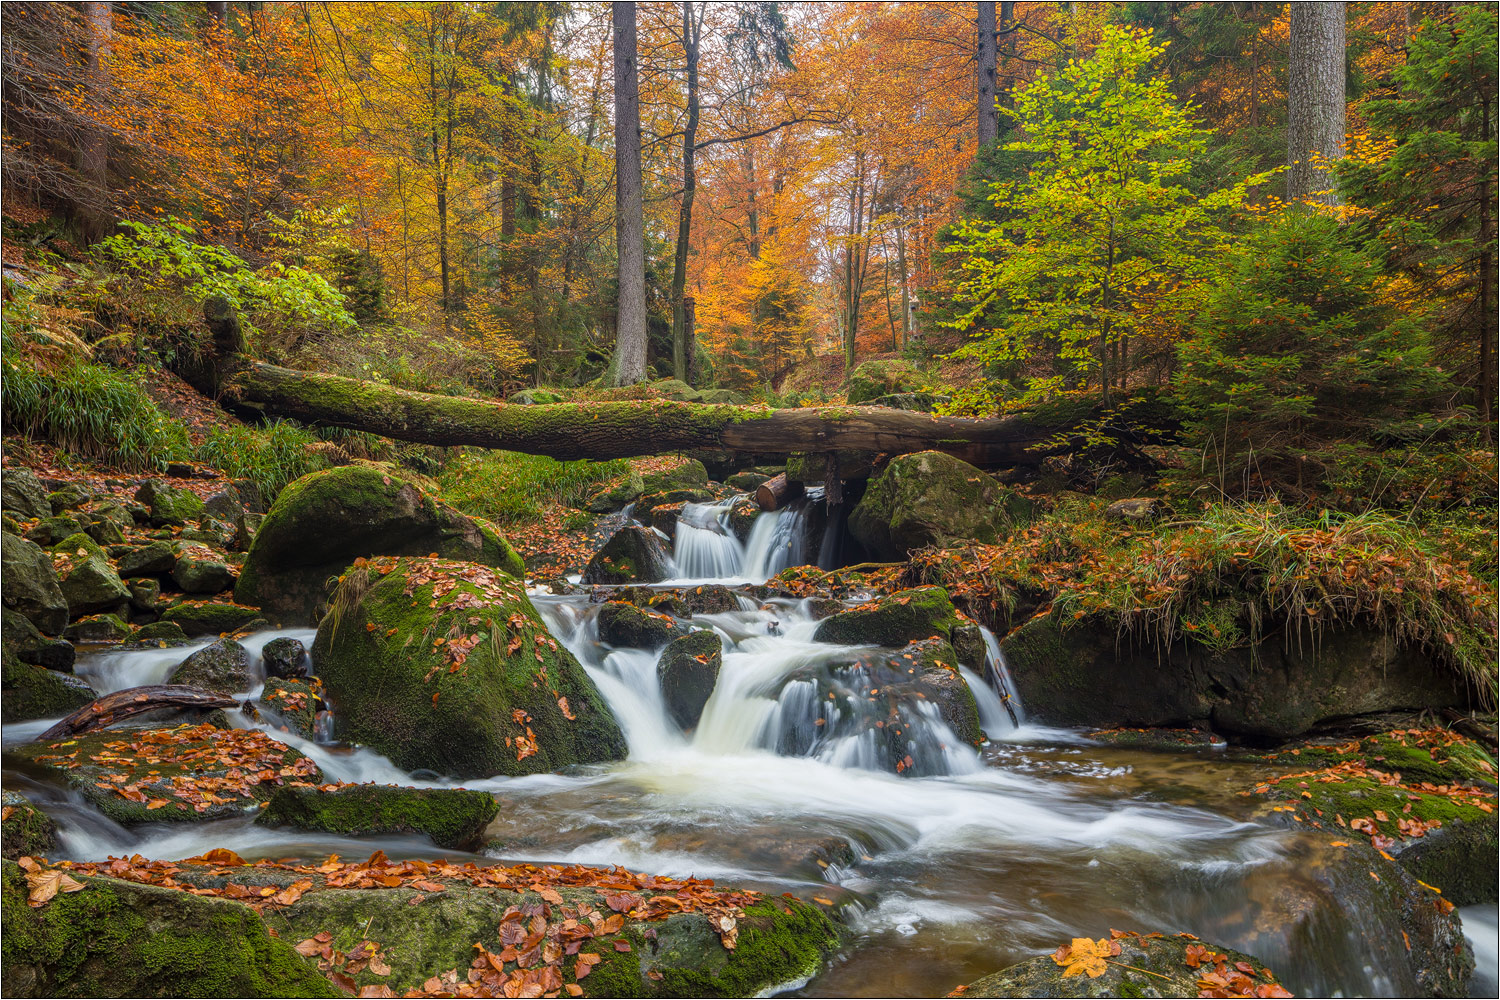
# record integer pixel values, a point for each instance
(294, 702)
(452, 817)
(209, 617)
(1130, 966)
(32, 692)
(21, 639)
(89, 583)
(872, 379)
(198, 569)
(686, 474)
(183, 774)
(22, 494)
(616, 493)
(634, 554)
(687, 671)
(1085, 673)
(152, 559)
(447, 666)
(29, 584)
(324, 521)
(893, 620)
(929, 498)
(222, 666)
(119, 939)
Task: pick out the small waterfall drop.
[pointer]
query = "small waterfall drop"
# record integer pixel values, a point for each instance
(704, 548)
(777, 540)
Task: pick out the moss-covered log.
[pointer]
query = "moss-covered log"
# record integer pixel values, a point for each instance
(613, 429)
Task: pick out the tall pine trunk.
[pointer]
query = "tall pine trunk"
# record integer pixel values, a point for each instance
(989, 118)
(93, 152)
(630, 225)
(1315, 100)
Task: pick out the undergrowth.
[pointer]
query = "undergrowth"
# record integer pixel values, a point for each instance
(270, 456)
(1229, 576)
(508, 487)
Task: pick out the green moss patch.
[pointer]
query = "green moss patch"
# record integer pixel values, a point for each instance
(451, 817)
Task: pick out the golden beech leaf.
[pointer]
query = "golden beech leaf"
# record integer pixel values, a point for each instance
(1085, 956)
(45, 885)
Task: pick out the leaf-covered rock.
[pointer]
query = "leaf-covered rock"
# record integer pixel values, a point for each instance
(320, 524)
(625, 625)
(209, 617)
(447, 666)
(24, 829)
(199, 569)
(294, 702)
(151, 559)
(89, 583)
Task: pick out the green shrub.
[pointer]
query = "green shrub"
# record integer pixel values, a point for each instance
(1296, 351)
(271, 456)
(508, 487)
(89, 409)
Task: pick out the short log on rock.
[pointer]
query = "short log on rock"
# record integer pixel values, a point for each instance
(117, 705)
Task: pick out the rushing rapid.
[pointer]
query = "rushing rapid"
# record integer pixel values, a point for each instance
(968, 860)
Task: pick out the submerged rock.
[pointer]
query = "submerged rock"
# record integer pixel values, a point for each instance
(893, 620)
(119, 939)
(1085, 673)
(29, 584)
(452, 817)
(447, 666)
(930, 498)
(1132, 966)
(632, 555)
(323, 522)
(687, 671)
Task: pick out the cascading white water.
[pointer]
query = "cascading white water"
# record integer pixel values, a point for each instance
(776, 542)
(703, 547)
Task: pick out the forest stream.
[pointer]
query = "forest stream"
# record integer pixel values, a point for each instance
(969, 861)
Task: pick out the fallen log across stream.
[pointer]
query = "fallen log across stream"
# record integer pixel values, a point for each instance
(595, 430)
(117, 705)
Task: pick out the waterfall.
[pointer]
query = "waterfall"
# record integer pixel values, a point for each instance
(704, 548)
(776, 542)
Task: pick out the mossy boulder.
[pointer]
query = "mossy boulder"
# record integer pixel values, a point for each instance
(746, 481)
(198, 569)
(168, 506)
(97, 628)
(1085, 672)
(51, 530)
(320, 524)
(152, 559)
(285, 657)
(29, 584)
(223, 666)
(682, 602)
(69, 496)
(25, 831)
(210, 617)
(915, 402)
(294, 702)
(675, 389)
(452, 817)
(22, 494)
(872, 379)
(88, 582)
(102, 530)
(145, 596)
(121, 939)
(929, 498)
(187, 773)
(32, 692)
(447, 666)
(687, 473)
(633, 554)
(616, 493)
(625, 625)
(687, 671)
(893, 620)
(1161, 966)
(224, 505)
(21, 638)
(721, 397)
(163, 633)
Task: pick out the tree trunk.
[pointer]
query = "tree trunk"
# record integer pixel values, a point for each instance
(93, 152)
(774, 493)
(690, 336)
(680, 352)
(219, 11)
(117, 705)
(630, 315)
(1008, 53)
(752, 213)
(1315, 100)
(989, 118)
(905, 294)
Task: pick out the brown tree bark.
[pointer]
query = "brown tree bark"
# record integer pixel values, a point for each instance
(989, 118)
(681, 353)
(1315, 100)
(118, 705)
(630, 314)
(93, 152)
